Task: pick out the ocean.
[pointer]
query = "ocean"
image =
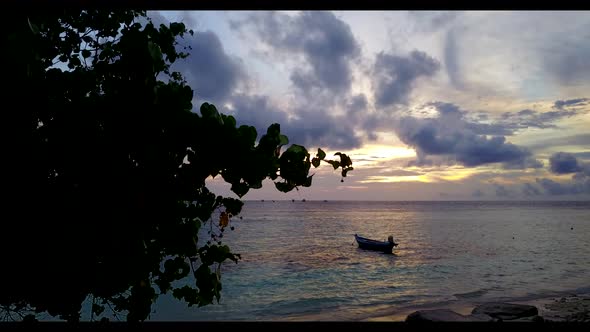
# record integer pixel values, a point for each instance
(300, 261)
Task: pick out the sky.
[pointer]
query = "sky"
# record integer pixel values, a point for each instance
(429, 105)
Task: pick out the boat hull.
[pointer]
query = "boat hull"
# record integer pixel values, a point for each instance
(368, 244)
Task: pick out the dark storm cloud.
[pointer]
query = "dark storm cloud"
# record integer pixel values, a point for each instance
(357, 104)
(358, 114)
(450, 135)
(312, 126)
(567, 163)
(394, 76)
(209, 70)
(325, 42)
(564, 163)
(256, 111)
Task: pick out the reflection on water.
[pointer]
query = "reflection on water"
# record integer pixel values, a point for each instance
(299, 258)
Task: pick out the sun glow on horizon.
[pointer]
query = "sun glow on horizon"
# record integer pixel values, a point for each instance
(372, 154)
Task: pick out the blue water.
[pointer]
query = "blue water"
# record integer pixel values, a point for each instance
(299, 260)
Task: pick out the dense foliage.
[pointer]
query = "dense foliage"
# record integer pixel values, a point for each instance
(113, 196)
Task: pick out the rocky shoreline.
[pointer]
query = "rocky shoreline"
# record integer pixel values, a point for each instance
(573, 308)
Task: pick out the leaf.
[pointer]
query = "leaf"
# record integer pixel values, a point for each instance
(155, 51)
(273, 130)
(97, 309)
(176, 28)
(296, 149)
(283, 140)
(75, 61)
(85, 53)
(345, 160)
(334, 163)
(240, 189)
(255, 185)
(315, 162)
(307, 182)
(33, 27)
(321, 154)
(233, 205)
(230, 121)
(210, 112)
(346, 170)
(284, 186)
(248, 134)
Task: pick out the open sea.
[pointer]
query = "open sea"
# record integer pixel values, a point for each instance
(300, 261)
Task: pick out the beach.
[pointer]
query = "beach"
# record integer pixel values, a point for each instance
(568, 308)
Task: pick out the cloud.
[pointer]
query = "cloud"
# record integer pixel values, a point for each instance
(569, 60)
(529, 118)
(478, 193)
(451, 60)
(394, 76)
(430, 21)
(582, 155)
(530, 190)
(501, 191)
(315, 127)
(577, 186)
(582, 140)
(561, 104)
(449, 135)
(564, 163)
(209, 70)
(399, 172)
(509, 123)
(312, 126)
(567, 163)
(357, 105)
(327, 45)
(325, 42)
(257, 111)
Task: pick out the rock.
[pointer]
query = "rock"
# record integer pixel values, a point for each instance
(481, 318)
(506, 311)
(534, 319)
(436, 315)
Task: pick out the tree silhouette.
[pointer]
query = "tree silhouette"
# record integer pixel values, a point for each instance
(111, 193)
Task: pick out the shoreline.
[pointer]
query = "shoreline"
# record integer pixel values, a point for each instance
(558, 306)
(567, 307)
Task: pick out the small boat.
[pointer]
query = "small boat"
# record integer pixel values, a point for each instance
(384, 246)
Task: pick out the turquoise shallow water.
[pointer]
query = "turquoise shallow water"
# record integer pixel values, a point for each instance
(299, 259)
